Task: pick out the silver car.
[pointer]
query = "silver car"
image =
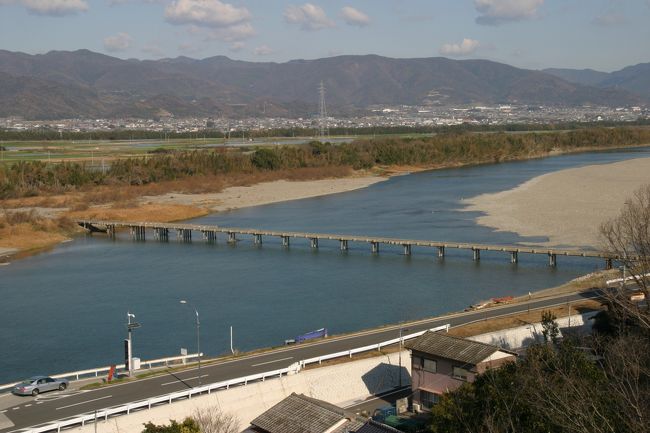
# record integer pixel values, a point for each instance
(37, 384)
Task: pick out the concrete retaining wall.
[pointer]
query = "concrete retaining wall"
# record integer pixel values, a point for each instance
(523, 336)
(341, 384)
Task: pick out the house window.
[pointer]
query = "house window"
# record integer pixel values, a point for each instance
(461, 373)
(428, 399)
(429, 365)
(417, 362)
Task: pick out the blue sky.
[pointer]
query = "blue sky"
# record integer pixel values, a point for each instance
(599, 34)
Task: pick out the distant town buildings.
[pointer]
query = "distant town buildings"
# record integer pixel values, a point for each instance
(377, 116)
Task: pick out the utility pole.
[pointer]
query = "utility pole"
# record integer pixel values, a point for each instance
(401, 341)
(130, 326)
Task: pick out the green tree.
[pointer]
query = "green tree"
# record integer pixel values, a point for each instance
(187, 426)
(550, 329)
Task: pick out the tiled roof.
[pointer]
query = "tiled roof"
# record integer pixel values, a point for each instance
(454, 348)
(299, 414)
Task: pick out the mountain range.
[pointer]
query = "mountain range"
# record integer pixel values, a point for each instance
(634, 79)
(65, 84)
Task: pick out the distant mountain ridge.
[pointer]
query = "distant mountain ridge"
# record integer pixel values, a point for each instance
(87, 84)
(634, 79)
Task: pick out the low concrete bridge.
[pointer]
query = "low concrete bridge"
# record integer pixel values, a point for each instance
(160, 231)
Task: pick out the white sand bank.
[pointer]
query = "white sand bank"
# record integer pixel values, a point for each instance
(567, 206)
(265, 193)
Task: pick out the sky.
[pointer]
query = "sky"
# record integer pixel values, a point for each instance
(604, 35)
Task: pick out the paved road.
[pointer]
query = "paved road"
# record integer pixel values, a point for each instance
(32, 411)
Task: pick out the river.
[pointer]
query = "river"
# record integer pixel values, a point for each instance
(65, 310)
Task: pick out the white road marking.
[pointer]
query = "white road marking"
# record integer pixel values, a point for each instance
(39, 402)
(84, 402)
(15, 408)
(271, 362)
(182, 380)
(28, 405)
(3, 411)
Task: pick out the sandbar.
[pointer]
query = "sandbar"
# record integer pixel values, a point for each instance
(566, 206)
(264, 193)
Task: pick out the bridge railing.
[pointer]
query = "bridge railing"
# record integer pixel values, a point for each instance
(95, 372)
(105, 414)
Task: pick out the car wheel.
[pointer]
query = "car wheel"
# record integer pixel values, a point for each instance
(35, 392)
(62, 387)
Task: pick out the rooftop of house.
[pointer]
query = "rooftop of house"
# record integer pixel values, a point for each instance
(455, 348)
(301, 414)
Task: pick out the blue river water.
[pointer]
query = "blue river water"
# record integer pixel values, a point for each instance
(65, 309)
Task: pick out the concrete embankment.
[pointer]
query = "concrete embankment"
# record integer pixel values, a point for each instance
(341, 384)
(524, 336)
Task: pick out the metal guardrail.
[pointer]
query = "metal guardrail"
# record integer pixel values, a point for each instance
(294, 368)
(630, 278)
(378, 346)
(94, 372)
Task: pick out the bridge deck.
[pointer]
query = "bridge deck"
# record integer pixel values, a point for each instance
(350, 238)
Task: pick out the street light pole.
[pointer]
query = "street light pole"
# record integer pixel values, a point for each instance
(198, 335)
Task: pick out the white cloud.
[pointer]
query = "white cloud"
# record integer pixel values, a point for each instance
(466, 47)
(309, 16)
(354, 17)
(495, 12)
(206, 13)
(263, 50)
(119, 42)
(54, 8)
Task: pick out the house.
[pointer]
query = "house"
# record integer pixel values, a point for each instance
(301, 414)
(441, 362)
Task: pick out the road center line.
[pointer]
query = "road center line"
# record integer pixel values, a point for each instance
(183, 379)
(271, 362)
(84, 402)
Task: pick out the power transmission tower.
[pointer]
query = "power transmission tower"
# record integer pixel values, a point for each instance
(322, 118)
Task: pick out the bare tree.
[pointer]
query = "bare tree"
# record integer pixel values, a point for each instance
(627, 237)
(213, 420)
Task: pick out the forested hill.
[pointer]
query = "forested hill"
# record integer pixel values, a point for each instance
(63, 84)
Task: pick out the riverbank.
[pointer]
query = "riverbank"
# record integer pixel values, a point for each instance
(568, 206)
(30, 227)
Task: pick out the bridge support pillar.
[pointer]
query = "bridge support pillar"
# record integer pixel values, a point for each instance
(138, 233)
(161, 234)
(441, 252)
(209, 236)
(514, 257)
(232, 237)
(407, 249)
(285, 241)
(608, 264)
(110, 231)
(374, 247)
(183, 235)
(343, 243)
(257, 239)
(314, 243)
(552, 260)
(477, 254)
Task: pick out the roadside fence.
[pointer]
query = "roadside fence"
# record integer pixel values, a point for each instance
(105, 414)
(95, 372)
